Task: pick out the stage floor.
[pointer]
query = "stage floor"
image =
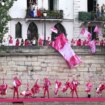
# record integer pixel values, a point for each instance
(29, 100)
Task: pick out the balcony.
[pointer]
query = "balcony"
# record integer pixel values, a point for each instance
(90, 16)
(54, 15)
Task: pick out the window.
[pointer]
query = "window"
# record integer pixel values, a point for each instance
(32, 31)
(18, 30)
(92, 5)
(53, 5)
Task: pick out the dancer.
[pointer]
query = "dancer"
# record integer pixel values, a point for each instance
(66, 86)
(57, 87)
(88, 88)
(100, 88)
(47, 83)
(16, 85)
(27, 92)
(74, 84)
(3, 88)
(36, 88)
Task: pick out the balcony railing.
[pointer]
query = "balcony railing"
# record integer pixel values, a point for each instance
(91, 16)
(56, 14)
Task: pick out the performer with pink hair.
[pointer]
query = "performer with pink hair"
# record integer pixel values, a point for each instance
(74, 84)
(88, 88)
(57, 87)
(47, 83)
(16, 85)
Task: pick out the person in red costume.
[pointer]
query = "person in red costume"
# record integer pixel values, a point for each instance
(74, 85)
(36, 88)
(3, 88)
(88, 88)
(47, 83)
(79, 42)
(27, 92)
(17, 42)
(66, 86)
(16, 84)
(100, 88)
(57, 87)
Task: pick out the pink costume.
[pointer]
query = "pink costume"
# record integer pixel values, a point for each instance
(3, 88)
(47, 83)
(88, 88)
(74, 84)
(100, 88)
(27, 92)
(57, 87)
(79, 42)
(36, 88)
(72, 42)
(92, 46)
(10, 41)
(67, 86)
(40, 42)
(16, 84)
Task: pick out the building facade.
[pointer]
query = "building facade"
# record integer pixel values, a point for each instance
(61, 15)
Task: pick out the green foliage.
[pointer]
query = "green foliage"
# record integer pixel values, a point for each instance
(55, 14)
(84, 16)
(4, 16)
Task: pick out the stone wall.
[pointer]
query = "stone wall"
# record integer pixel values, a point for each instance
(31, 63)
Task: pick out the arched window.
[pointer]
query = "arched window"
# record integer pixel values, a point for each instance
(18, 30)
(32, 31)
(60, 29)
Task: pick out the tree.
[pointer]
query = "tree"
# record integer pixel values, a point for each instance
(5, 5)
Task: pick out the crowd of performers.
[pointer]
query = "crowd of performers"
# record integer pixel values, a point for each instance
(58, 87)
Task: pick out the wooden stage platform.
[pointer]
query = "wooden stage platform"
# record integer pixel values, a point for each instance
(29, 100)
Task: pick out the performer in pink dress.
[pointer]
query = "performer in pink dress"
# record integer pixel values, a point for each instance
(3, 88)
(74, 84)
(100, 88)
(47, 83)
(16, 85)
(36, 88)
(88, 88)
(57, 87)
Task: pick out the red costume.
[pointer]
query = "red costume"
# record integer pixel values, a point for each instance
(27, 92)
(79, 43)
(17, 42)
(101, 43)
(57, 87)
(10, 41)
(47, 83)
(88, 88)
(100, 88)
(36, 88)
(74, 84)
(66, 86)
(72, 42)
(40, 42)
(16, 84)
(3, 88)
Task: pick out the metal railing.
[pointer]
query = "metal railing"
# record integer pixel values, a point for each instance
(56, 14)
